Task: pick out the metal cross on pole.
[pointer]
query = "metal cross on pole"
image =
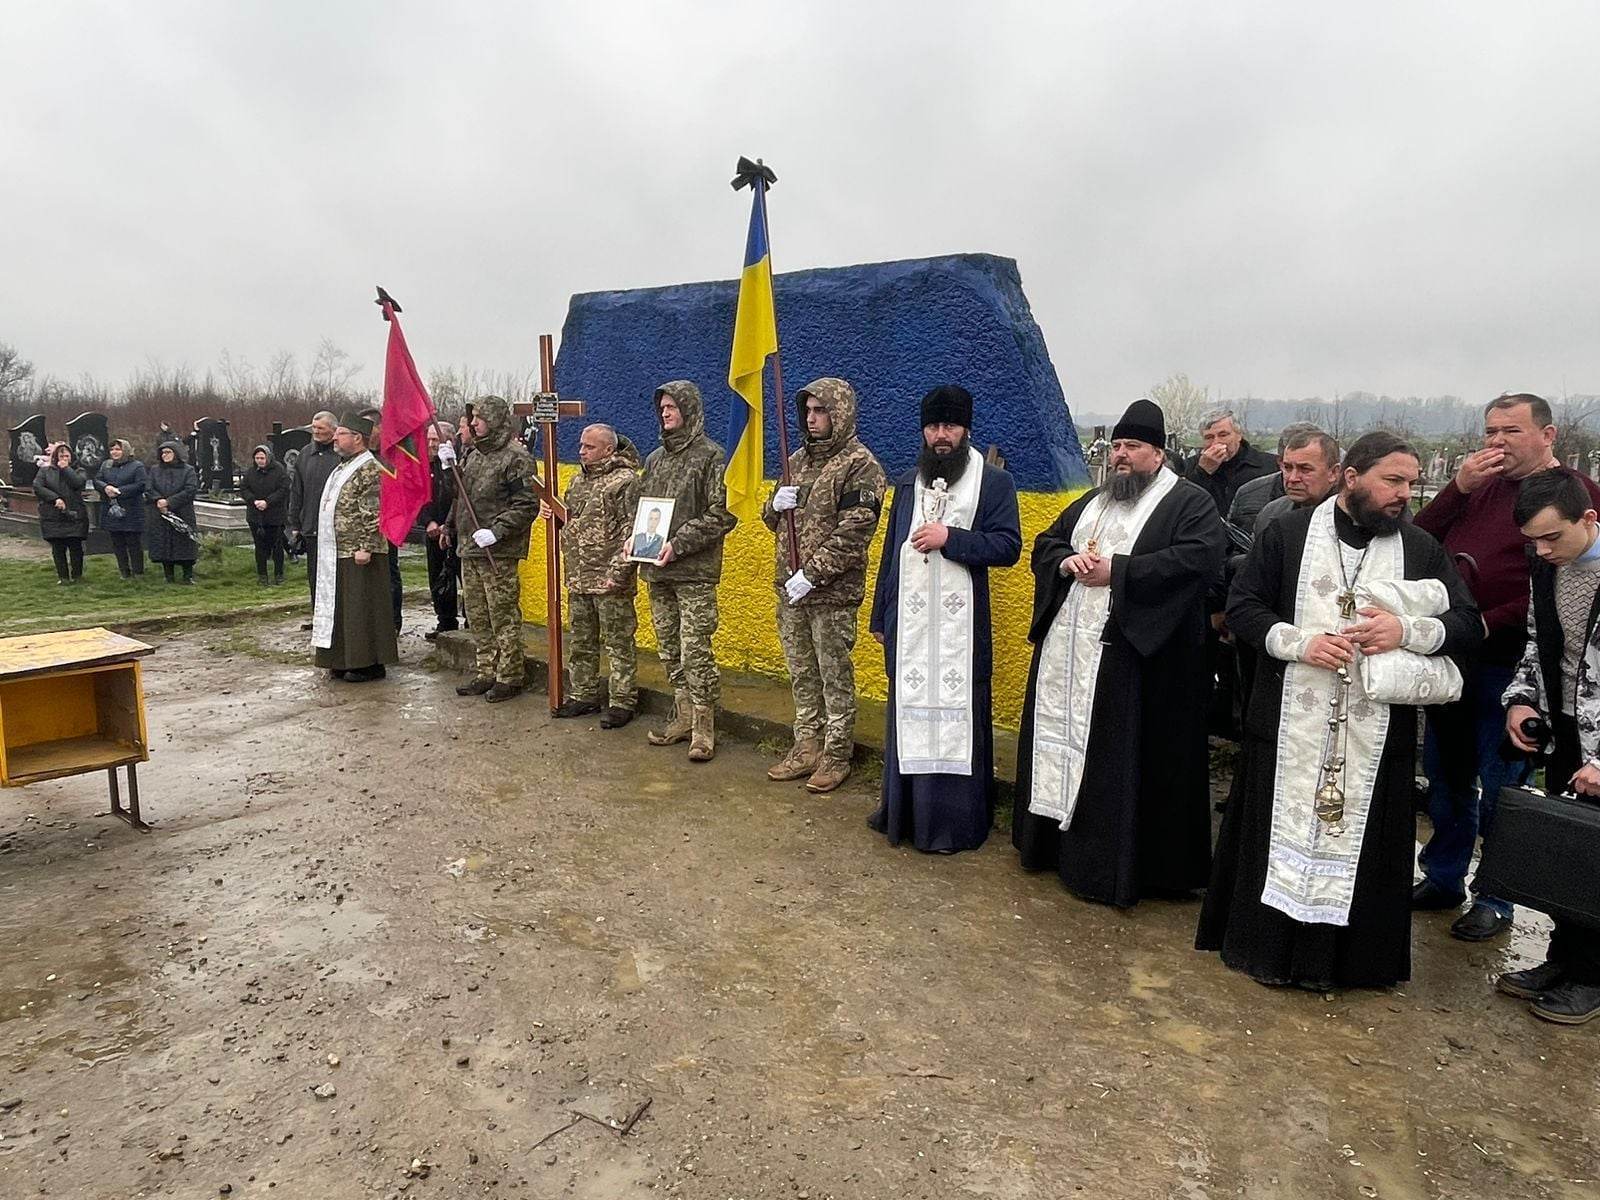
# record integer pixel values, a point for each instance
(547, 408)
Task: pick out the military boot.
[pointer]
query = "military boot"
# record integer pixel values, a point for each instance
(830, 773)
(680, 727)
(704, 746)
(801, 760)
(474, 687)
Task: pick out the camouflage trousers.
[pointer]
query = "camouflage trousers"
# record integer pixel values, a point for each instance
(817, 641)
(685, 617)
(607, 622)
(494, 613)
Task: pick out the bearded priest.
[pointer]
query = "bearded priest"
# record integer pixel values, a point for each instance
(1112, 778)
(1356, 615)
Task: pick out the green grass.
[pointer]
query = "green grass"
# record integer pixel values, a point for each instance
(31, 601)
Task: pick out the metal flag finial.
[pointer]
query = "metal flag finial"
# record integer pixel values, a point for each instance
(747, 172)
(385, 299)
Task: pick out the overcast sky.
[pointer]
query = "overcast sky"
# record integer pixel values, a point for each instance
(1279, 199)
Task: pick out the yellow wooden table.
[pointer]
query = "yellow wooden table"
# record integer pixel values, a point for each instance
(70, 703)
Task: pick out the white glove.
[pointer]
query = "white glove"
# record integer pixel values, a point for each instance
(484, 538)
(798, 587)
(41, 461)
(447, 455)
(784, 499)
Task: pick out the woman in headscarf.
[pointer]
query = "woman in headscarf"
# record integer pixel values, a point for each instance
(121, 482)
(265, 488)
(173, 487)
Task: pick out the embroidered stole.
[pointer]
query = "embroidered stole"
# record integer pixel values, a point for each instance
(328, 552)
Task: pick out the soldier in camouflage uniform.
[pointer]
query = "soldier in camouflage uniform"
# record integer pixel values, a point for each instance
(600, 581)
(836, 493)
(496, 476)
(687, 468)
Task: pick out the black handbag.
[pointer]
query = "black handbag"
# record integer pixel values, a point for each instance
(1544, 851)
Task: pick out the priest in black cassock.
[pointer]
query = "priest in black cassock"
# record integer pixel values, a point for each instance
(1356, 616)
(953, 517)
(1112, 779)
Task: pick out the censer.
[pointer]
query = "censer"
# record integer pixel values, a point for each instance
(1329, 805)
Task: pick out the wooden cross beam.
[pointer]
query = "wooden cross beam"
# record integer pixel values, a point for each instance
(547, 408)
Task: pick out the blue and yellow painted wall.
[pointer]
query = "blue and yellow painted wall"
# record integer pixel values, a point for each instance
(894, 330)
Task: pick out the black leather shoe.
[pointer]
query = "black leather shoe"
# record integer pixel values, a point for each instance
(502, 691)
(1568, 1004)
(474, 687)
(366, 674)
(615, 718)
(577, 708)
(1530, 984)
(431, 636)
(1480, 924)
(1428, 896)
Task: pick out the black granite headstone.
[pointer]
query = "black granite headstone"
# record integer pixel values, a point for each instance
(89, 435)
(214, 454)
(27, 441)
(287, 444)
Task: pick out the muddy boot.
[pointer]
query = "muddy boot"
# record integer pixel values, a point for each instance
(830, 773)
(801, 760)
(616, 718)
(704, 746)
(577, 708)
(677, 729)
(474, 687)
(499, 692)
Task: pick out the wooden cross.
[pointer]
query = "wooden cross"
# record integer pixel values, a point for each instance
(547, 408)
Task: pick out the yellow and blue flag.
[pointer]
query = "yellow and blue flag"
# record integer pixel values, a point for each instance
(755, 336)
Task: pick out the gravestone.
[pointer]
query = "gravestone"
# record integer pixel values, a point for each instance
(213, 450)
(89, 435)
(27, 442)
(287, 444)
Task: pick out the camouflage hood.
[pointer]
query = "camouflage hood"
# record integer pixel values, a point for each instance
(690, 405)
(840, 400)
(625, 457)
(499, 426)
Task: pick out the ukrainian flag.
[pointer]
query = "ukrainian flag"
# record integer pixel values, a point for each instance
(755, 335)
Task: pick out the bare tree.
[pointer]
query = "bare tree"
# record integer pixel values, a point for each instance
(1182, 403)
(331, 373)
(15, 372)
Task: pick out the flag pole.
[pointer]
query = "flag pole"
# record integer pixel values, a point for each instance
(760, 177)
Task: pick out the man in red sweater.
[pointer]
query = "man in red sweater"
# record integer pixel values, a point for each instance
(1473, 517)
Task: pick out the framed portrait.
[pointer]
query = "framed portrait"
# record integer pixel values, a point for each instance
(652, 521)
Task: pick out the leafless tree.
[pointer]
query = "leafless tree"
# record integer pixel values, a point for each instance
(331, 373)
(1182, 403)
(15, 372)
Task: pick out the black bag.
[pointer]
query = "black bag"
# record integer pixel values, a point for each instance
(1544, 851)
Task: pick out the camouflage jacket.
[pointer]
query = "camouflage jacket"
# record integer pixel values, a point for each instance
(600, 503)
(841, 494)
(497, 478)
(355, 513)
(687, 468)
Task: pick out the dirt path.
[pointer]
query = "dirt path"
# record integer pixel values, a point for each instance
(492, 920)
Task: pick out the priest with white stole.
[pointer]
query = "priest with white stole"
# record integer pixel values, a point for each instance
(1112, 781)
(953, 517)
(1357, 615)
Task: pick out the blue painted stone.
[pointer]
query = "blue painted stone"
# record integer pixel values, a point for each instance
(894, 330)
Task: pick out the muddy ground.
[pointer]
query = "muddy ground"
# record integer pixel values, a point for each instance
(490, 922)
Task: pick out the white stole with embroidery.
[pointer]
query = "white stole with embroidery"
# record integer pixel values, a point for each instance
(328, 553)
(1311, 873)
(1069, 663)
(933, 648)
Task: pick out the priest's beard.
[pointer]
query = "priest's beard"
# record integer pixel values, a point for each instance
(1129, 485)
(1369, 516)
(948, 466)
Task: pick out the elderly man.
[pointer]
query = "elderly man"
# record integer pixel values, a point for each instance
(311, 470)
(1349, 607)
(835, 493)
(1226, 461)
(600, 581)
(1308, 466)
(1255, 494)
(1474, 517)
(1111, 765)
(953, 517)
(351, 629)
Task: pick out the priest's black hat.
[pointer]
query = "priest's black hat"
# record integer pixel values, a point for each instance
(947, 404)
(1144, 422)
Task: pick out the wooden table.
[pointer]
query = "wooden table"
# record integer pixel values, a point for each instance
(73, 702)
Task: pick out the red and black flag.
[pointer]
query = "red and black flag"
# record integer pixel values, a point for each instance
(403, 443)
